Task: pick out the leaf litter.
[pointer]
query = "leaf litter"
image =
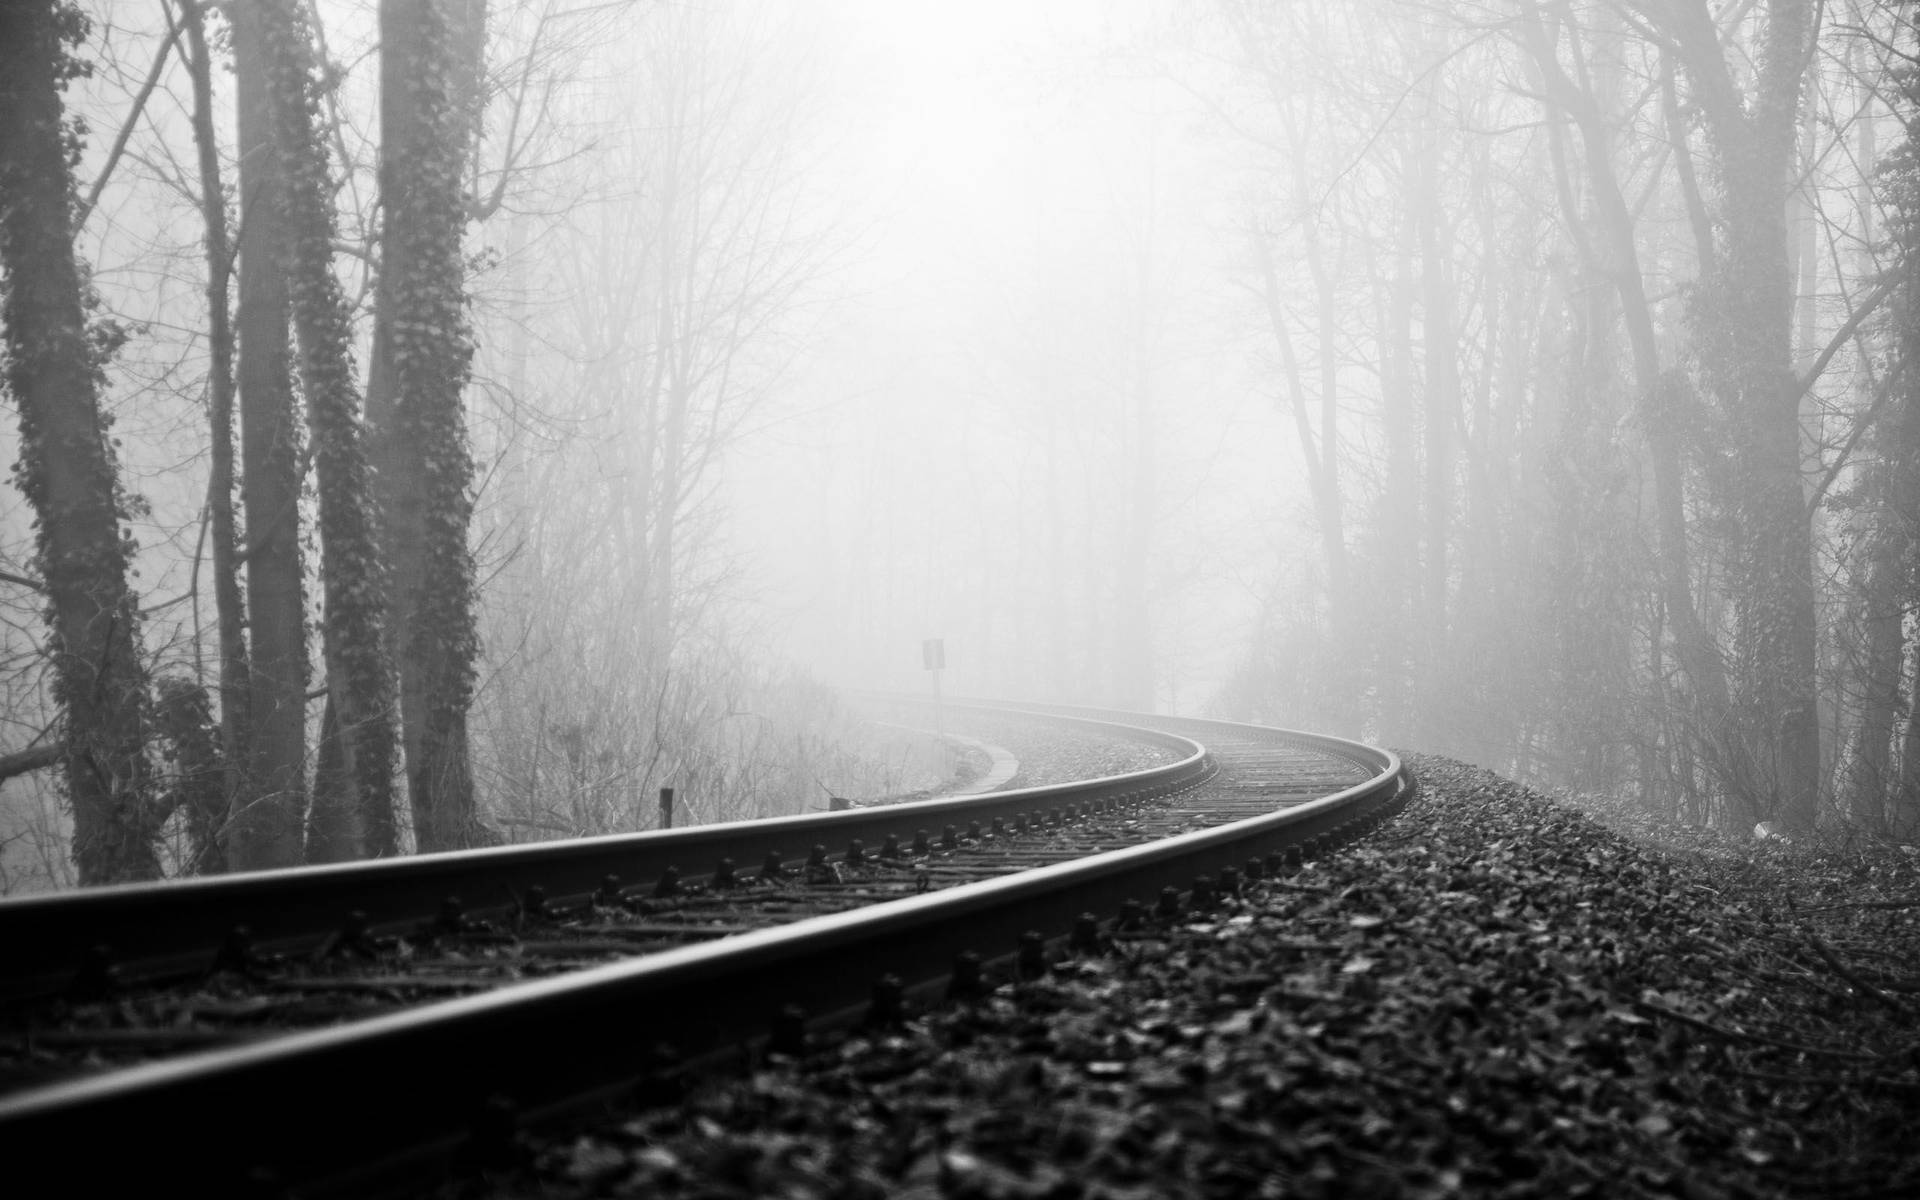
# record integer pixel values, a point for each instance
(1499, 994)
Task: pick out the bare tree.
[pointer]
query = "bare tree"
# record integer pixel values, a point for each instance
(1603, 235)
(683, 282)
(235, 671)
(1744, 340)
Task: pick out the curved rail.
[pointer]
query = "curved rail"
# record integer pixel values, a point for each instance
(424, 1082)
(80, 940)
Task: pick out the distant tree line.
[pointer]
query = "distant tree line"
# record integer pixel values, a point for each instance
(1596, 323)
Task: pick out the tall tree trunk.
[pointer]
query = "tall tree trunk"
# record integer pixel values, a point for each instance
(353, 577)
(1881, 564)
(1903, 816)
(1901, 197)
(1611, 252)
(229, 605)
(1320, 455)
(267, 822)
(66, 466)
(1744, 315)
(414, 401)
(1132, 661)
(1882, 602)
(1439, 349)
(1400, 498)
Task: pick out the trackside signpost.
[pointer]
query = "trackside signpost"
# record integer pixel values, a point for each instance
(933, 656)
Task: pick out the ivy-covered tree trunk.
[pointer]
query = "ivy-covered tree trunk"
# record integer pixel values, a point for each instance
(271, 807)
(414, 401)
(198, 790)
(66, 465)
(353, 578)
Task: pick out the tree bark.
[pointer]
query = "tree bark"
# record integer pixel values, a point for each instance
(66, 466)
(1743, 314)
(414, 402)
(1612, 253)
(353, 576)
(229, 605)
(267, 821)
(198, 790)
(1319, 453)
(1400, 501)
(1882, 563)
(1439, 348)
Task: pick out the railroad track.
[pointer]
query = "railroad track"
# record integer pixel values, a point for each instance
(880, 907)
(356, 943)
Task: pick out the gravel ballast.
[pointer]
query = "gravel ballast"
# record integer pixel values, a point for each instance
(1495, 995)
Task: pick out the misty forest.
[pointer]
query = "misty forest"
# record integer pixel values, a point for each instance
(437, 423)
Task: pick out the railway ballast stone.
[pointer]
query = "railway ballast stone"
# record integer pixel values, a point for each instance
(1495, 995)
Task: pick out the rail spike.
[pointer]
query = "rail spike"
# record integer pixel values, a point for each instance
(494, 1139)
(98, 975)
(789, 1031)
(534, 902)
(888, 1008)
(1033, 955)
(236, 951)
(967, 979)
(669, 884)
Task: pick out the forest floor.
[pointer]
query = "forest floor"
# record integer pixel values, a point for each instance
(1496, 995)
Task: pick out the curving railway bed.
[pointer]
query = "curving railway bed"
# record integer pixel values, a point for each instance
(511, 983)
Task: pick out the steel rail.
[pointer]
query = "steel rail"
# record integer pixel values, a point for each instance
(84, 940)
(328, 1107)
(1360, 754)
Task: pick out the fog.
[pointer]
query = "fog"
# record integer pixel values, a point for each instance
(1029, 321)
(1403, 369)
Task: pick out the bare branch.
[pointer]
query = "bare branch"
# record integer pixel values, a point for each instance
(33, 758)
(126, 127)
(1865, 422)
(1841, 336)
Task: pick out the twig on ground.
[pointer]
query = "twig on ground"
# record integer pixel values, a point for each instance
(1861, 984)
(1742, 1035)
